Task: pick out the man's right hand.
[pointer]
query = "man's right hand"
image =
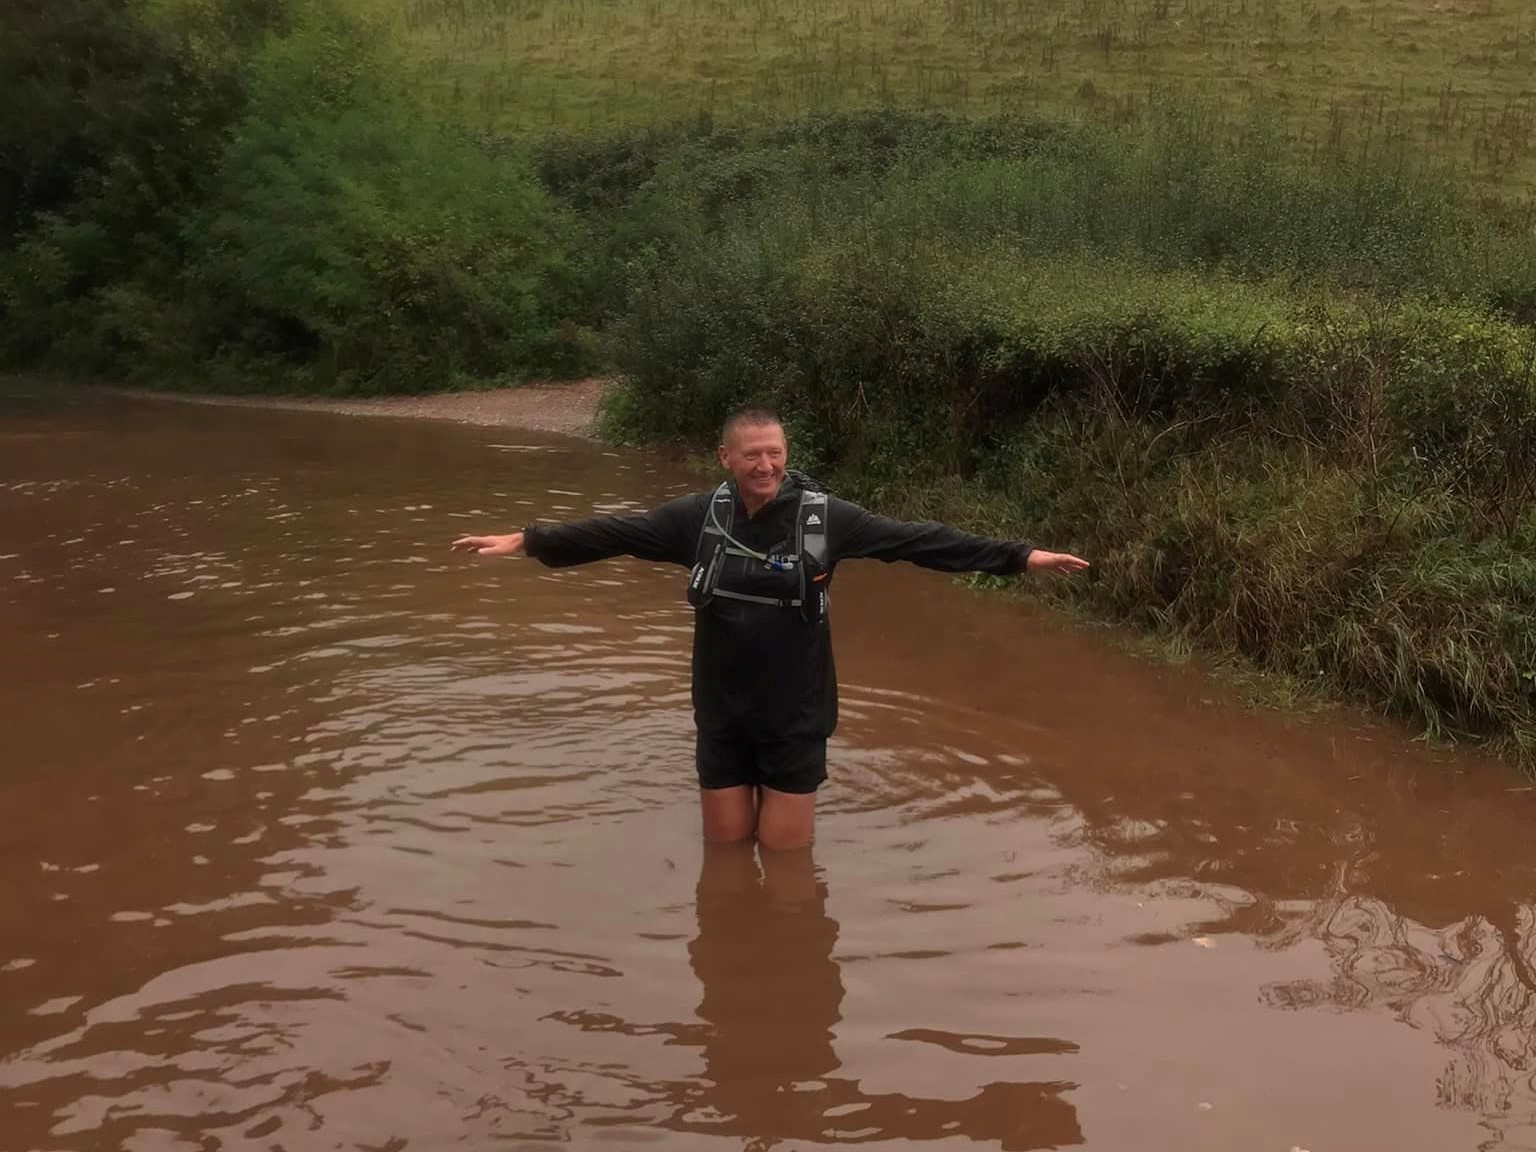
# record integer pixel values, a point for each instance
(490, 545)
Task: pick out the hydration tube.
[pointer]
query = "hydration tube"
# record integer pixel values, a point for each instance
(729, 539)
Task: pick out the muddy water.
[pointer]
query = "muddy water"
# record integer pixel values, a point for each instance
(317, 836)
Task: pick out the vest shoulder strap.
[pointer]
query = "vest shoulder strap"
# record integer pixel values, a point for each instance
(811, 529)
(720, 513)
(709, 553)
(811, 545)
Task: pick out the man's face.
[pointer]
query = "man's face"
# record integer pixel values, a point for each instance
(754, 455)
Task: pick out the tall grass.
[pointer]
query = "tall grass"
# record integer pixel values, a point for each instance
(911, 186)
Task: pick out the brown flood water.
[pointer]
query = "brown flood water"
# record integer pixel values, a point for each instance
(317, 836)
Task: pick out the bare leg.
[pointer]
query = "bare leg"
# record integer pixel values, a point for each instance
(786, 819)
(730, 814)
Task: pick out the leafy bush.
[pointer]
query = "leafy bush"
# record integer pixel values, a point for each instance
(365, 242)
(330, 233)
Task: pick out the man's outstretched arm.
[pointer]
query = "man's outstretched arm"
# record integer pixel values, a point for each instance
(666, 535)
(856, 533)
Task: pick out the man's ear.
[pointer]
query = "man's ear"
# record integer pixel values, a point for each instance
(722, 457)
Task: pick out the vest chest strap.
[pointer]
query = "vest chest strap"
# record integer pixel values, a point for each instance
(727, 594)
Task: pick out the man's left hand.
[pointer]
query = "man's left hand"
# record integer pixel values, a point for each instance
(1061, 562)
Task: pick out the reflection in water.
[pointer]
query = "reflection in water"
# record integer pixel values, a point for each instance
(1469, 984)
(772, 997)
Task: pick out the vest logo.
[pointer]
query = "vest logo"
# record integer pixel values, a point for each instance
(812, 519)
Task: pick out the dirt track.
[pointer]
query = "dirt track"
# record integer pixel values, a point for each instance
(566, 406)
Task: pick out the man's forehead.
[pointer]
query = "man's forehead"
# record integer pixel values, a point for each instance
(755, 434)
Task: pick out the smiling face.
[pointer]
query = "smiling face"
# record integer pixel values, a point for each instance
(754, 455)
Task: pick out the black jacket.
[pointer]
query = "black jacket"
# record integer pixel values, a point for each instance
(760, 671)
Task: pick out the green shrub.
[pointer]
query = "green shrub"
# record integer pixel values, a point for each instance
(320, 230)
(367, 245)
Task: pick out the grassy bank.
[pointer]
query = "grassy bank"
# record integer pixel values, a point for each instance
(1333, 491)
(1290, 411)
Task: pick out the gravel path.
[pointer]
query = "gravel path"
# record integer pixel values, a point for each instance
(566, 406)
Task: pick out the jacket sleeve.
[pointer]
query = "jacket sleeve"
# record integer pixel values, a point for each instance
(854, 533)
(668, 534)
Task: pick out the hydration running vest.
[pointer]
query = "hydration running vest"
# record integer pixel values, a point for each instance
(716, 543)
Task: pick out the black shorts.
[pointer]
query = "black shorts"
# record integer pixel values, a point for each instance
(726, 760)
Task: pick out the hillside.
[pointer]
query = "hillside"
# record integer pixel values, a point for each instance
(1452, 80)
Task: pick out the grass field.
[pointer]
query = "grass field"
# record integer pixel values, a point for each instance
(1449, 80)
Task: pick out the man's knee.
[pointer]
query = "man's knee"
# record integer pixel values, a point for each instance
(786, 819)
(730, 814)
(780, 840)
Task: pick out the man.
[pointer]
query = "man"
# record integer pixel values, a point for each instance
(763, 548)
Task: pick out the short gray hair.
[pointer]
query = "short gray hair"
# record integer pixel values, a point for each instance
(749, 416)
